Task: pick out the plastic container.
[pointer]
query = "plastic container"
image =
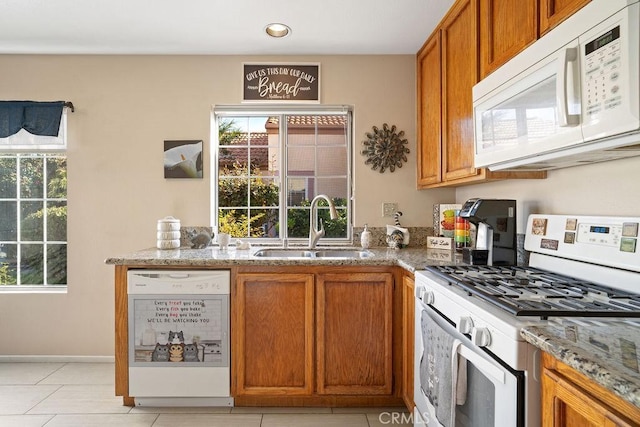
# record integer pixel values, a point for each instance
(365, 238)
(461, 232)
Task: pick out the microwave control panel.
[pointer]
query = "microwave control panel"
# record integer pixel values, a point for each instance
(603, 58)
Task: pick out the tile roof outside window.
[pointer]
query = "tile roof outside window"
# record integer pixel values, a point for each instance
(259, 156)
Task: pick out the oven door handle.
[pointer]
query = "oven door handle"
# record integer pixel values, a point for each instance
(483, 365)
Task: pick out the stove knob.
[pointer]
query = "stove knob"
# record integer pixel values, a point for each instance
(465, 325)
(428, 297)
(481, 337)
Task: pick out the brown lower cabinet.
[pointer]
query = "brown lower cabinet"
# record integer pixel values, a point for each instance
(273, 327)
(408, 328)
(353, 333)
(316, 338)
(303, 336)
(569, 399)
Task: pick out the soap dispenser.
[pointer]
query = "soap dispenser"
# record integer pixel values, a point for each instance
(365, 238)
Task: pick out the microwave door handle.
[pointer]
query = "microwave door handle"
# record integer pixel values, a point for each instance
(564, 118)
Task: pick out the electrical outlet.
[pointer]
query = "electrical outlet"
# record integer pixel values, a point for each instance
(388, 209)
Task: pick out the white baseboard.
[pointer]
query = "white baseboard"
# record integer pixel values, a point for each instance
(57, 359)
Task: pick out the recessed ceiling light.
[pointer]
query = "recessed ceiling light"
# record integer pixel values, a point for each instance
(277, 30)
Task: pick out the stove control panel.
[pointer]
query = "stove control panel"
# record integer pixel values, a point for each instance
(607, 241)
(599, 234)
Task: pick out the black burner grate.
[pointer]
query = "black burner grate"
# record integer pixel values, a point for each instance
(527, 291)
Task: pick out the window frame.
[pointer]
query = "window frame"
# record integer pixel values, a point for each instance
(224, 111)
(47, 147)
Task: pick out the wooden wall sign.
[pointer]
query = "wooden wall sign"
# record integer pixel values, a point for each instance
(281, 83)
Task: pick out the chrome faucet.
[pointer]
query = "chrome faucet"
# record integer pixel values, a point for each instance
(314, 233)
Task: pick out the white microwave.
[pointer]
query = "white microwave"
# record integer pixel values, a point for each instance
(571, 98)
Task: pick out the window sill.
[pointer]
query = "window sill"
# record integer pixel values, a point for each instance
(49, 289)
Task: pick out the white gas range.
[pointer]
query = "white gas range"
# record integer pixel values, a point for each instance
(472, 367)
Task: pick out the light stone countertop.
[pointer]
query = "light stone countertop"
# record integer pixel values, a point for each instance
(604, 350)
(410, 259)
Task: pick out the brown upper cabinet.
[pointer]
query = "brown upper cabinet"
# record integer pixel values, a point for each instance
(447, 70)
(553, 12)
(506, 28)
(473, 39)
(430, 113)
(459, 74)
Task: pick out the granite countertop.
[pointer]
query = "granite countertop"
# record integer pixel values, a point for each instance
(605, 350)
(410, 259)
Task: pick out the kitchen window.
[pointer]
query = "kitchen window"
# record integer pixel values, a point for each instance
(33, 211)
(270, 163)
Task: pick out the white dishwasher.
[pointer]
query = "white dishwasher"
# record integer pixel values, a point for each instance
(179, 337)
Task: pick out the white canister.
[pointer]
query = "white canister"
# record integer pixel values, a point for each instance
(168, 244)
(168, 235)
(169, 223)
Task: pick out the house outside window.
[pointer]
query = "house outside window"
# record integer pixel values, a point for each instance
(270, 164)
(33, 211)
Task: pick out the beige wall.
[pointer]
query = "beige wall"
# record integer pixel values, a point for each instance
(126, 106)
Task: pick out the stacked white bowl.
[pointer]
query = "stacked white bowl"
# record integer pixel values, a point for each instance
(168, 233)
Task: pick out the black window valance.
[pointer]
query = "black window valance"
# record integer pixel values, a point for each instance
(38, 118)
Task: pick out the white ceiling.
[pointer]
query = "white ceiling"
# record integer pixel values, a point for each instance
(221, 27)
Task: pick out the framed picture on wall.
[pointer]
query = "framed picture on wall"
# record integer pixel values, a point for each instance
(281, 82)
(183, 159)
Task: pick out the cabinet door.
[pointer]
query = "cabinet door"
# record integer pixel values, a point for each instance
(567, 405)
(553, 12)
(429, 112)
(354, 333)
(459, 74)
(273, 334)
(506, 28)
(408, 325)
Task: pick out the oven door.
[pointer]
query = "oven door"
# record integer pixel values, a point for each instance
(483, 392)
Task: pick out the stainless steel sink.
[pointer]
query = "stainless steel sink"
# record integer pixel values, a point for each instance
(343, 253)
(285, 253)
(316, 253)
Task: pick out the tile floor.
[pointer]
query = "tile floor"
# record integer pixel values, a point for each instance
(82, 394)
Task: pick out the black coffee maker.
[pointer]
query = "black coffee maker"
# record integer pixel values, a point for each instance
(496, 240)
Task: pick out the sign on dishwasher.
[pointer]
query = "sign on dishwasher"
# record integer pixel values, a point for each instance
(178, 330)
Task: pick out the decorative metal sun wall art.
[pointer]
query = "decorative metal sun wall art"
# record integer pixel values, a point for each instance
(385, 148)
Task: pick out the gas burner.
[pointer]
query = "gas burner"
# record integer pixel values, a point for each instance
(527, 291)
